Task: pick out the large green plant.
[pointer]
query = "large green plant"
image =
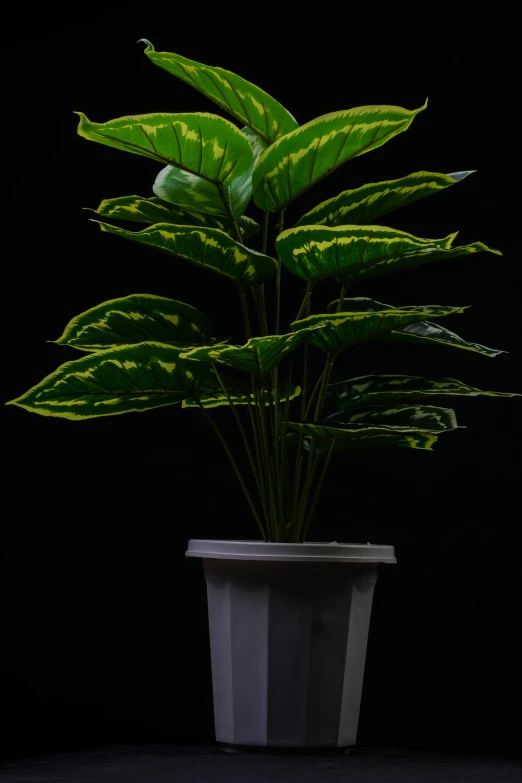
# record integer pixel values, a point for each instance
(142, 351)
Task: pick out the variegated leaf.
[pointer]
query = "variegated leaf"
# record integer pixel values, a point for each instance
(219, 398)
(372, 201)
(242, 99)
(369, 390)
(118, 380)
(343, 329)
(425, 331)
(352, 253)
(208, 248)
(258, 144)
(429, 418)
(258, 356)
(305, 155)
(406, 426)
(188, 191)
(316, 252)
(136, 319)
(200, 144)
(196, 193)
(154, 210)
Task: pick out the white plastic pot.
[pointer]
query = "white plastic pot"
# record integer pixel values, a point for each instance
(288, 632)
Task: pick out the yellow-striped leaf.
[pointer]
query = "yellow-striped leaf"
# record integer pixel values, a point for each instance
(136, 319)
(316, 252)
(219, 398)
(355, 252)
(423, 331)
(118, 380)
(191, 192)
(258, 356)
(343, 329)
(242, 99)
(369, 390)
(258, 144)
(154, 210)
(414, 427)
(372, 201)
(429, 418)
(200, 144)
(208, 248)
(306, 155)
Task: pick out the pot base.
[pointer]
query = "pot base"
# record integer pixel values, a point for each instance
(227, 747)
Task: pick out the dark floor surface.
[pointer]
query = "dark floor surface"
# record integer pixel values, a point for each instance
(207, 764)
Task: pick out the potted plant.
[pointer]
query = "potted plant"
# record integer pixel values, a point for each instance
(288, 620)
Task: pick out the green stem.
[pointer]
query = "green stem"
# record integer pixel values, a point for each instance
(260, 309)
(310, 470)
(316, 387)
(306, 300)
(263, 478)
(244, 306)
(341, 298)
(324, 385)
(264, 236)
(234, 465)
(317, 492)
(279, 228)
(260, 407)
(243, 435)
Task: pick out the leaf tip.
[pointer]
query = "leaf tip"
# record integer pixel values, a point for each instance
(149, 47)
(457, 176)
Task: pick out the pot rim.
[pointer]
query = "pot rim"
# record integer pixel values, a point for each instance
(309, 551)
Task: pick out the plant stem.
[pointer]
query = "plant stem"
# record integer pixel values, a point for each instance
(263, 477)
(234, 465)
(341, 298)
(260, 408)
(324, 385)
(258, 297)
(310, 470)
(279, 228)
(306, 300)
(317, 492)
(243, 435)
(316, 387)
(244, 306)
(264, 236)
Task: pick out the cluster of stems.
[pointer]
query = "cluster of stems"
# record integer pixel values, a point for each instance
(287, 496)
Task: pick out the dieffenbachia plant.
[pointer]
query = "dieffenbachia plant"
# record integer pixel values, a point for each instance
(142, 351)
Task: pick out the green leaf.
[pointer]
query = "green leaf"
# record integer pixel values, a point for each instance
(343, 329)
(118, 380)
(423, 331)
(258, 356)
(372, 201)
(135, 319)
(258, 144)
(306, 155)
(316, 252)
(200, 144)
(154, 210)
(389, 389)
(238, 397)
(429, 418)
(206, 247)
(355, 252)
(242, 99)
(415, 427)
(192, 192)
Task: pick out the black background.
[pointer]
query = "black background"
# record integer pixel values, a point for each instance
(105, 635)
